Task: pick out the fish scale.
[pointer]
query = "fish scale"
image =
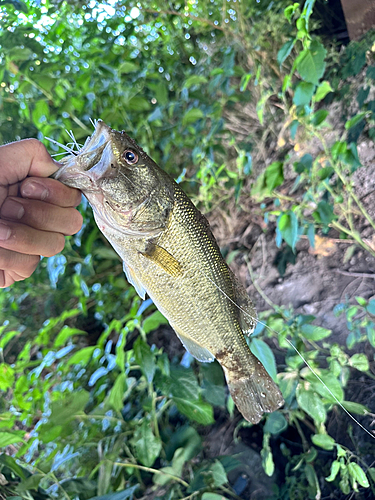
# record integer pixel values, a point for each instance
(169, 253)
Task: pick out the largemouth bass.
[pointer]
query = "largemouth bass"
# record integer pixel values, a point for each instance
(169, 252)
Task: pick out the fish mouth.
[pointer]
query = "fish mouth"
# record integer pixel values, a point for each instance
(94, 161)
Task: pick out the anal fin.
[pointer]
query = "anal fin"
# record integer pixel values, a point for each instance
(133, 280)
(164, 259)
(197, 351)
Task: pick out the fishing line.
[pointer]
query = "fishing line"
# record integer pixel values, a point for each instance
(296, 350)
(66, 148)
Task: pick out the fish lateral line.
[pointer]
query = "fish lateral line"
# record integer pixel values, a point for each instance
(296, 350)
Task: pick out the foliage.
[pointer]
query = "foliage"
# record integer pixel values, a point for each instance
(92, 407)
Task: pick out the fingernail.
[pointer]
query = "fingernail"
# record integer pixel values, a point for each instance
(12, 209)
(4, 231)
(34, 190)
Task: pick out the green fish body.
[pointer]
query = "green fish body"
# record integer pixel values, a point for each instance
(169, 253)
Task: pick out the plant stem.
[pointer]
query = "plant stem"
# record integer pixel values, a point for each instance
(353, 235)
(305, 444)
(153, 471)
(152, 395)
(257, 287)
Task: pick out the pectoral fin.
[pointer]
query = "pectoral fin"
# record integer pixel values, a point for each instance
(246, 313)
(133, 280)
(200, 353)
(164, 259)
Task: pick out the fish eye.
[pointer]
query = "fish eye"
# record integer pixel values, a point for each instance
(130, 156)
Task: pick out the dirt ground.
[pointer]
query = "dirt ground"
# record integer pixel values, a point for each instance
(336, 271)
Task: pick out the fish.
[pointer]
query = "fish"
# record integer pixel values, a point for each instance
(170, 254)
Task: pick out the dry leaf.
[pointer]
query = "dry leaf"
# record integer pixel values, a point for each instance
(323, 246)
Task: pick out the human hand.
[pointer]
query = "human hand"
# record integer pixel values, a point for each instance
(36, 212)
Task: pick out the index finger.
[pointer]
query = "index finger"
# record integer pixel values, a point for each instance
(50, 191)
(24, 158)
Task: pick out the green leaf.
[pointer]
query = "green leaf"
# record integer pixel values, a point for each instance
(265, 355)
(7, 337)
(361, 301)
(245, 79)
(194, 80)
(138, 103)
(64, 410)
(360, 362)
(303, 94)
(328, 380)
(311, 403)
(287, 228)
(161, 92)
(318, 118)
(290, 10)
(371, 307)
(304, 165)
(325, 212)
(6, 376)
(312, 332)
(153, 321)
(356, 408)
(31, 483)
(116, 396)
(127, 67)
(147, 445)
(126, 494)
(370, 330)
(261, 105)
(7, 438)
(144, 358)
(335, 467)
(82, 356)
(199, 411)
(192, 115)
(40, 113)
(323, 89)
(275, 423)
(213, 496)
(285, 50)
(310, 62)
(267, 457)
(19, 54)
(184, 384)
(219, 475)
(65, 333)
(10, 462)
(274, 175)
(358, 474)
(324, 441)
(355, 119)
(179, 458)
(312, 479)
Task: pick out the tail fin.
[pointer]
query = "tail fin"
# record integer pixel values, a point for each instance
(255, 394)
